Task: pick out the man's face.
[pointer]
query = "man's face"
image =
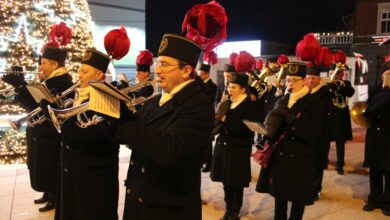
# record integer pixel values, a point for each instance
(142, 76)
(88, 73)
(312, 81)
(294, 83)
(170, 73)
(227, 76)
(203, 75)
(47, 67)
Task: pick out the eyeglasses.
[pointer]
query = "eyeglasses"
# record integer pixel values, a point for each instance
(163, 65)
(294, 80)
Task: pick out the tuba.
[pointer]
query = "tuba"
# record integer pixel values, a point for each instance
(357, 116)
(58, 116)
(36, 117)
(338, 99)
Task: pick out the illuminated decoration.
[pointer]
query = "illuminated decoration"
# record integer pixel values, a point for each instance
(25, 25)
(12, 147)
(334, 38)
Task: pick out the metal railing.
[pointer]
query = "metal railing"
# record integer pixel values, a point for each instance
(334, 38)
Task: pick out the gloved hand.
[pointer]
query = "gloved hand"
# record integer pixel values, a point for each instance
(43, 105)
(222, 108)
(331, 87)
(16, 80)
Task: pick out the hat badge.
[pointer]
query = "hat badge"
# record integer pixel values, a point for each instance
(293, 69)
(163, 45)
(87, 56)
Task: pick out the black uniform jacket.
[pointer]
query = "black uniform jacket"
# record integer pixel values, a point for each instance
(377, 151)
(89, 173)
(321, 145)
(163, 180)
(43, 141)
(290, 175)
(210, 90)
(339, 120)
(231, 158)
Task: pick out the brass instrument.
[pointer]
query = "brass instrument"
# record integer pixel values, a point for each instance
(259, 83)
(339, 100)
(357, 116)
(58, 116)
(36, 117)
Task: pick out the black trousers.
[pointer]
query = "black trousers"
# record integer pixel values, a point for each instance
(233, 198)
(320, 163)
(281, 211)
(340, 152)
(379, 188)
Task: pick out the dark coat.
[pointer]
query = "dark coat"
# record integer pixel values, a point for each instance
(220, 91)
(290, 175)
(377, 150)
(163, 180)
(43, 141)
(233, 147)
(321, 145)
(210, 90)
(89, 168)
(339, 120)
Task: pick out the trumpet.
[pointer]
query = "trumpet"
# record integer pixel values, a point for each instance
(36, 117)
(338, 99)
(58, 116)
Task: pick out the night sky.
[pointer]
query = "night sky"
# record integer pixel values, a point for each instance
(284, 21)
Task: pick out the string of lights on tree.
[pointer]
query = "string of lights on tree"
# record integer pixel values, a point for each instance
(24, 29)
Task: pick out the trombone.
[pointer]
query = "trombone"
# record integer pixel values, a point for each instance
(59, 116)
(36, 117)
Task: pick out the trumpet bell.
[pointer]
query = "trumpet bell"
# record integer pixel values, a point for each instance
(15, 124)
(357, 116)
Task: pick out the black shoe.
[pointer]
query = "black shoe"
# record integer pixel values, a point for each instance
(340, 171)
(49, 206)
(43, 199)
(225, 216)
(206, 168)
(369, 207)
(317, 196)
(386, 211)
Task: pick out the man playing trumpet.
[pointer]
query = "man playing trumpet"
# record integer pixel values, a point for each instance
(43, 141)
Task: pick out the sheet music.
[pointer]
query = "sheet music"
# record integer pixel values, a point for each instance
(104, 103)
(256, 127)
(39, 92)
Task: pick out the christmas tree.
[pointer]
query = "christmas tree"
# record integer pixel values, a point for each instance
(24, 29)
(25, 25)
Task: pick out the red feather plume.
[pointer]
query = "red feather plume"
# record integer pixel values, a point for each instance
(210, 57)
(325, 57)
(308, 49)
(339, 57)
(60, 33)
(387, 58)
(206, 25)
(244, 62)
(232, 58)
(145, 57)
(283, 59)
(259, 64)
(117, 43)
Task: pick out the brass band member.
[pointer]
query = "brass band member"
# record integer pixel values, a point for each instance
(377, 152)
(222, 93)
(43, 142)
(339, 119)
(89, 158)
(296, 123)
(231, 157)
(204, 73)
(144, 61)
